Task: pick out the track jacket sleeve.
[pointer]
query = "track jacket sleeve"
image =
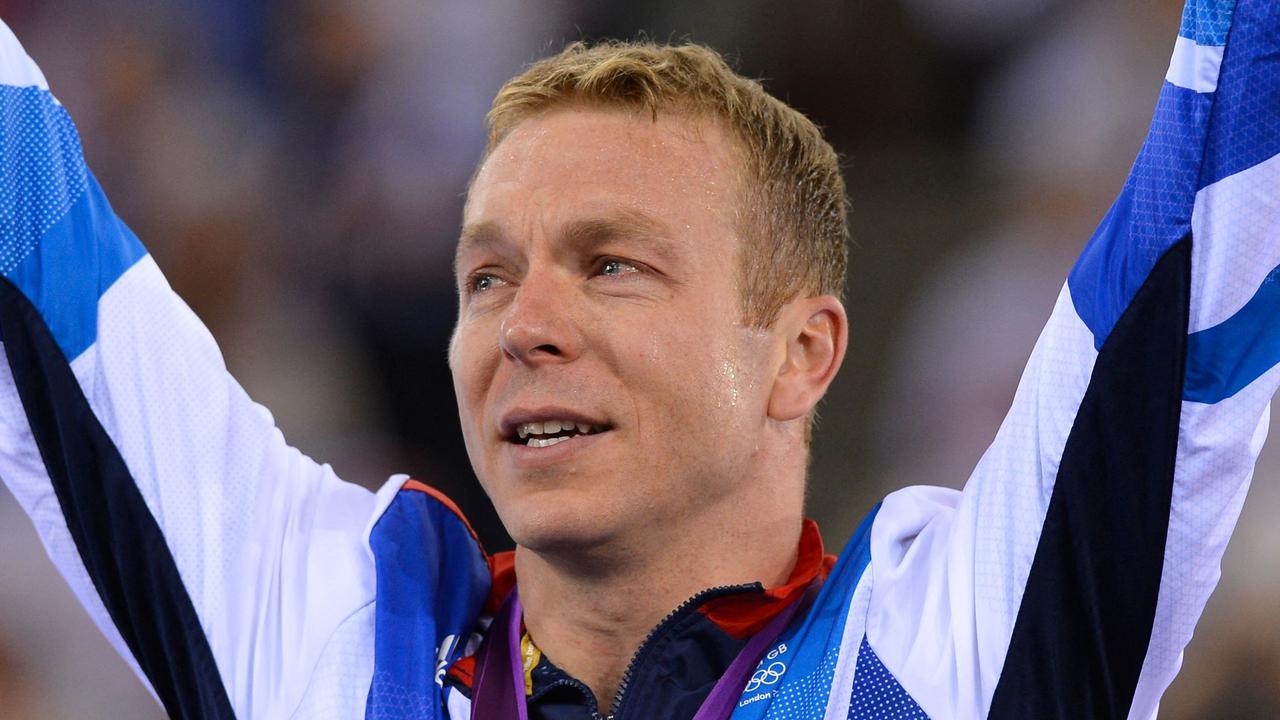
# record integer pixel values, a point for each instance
(1066, 578)
(217, 559)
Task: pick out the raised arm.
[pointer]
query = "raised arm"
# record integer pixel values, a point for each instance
(217, 559)
(1066, 579)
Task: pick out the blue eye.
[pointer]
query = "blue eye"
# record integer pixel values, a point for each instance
(481, 281)
(614, 267)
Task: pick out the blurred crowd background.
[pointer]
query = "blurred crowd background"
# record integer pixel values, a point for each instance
(297, 168)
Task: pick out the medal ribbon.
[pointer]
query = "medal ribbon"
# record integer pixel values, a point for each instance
(499, 691)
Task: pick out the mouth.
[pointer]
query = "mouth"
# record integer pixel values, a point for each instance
(548, 428)
(546, 433)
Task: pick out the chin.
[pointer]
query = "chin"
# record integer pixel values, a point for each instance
(552, 524)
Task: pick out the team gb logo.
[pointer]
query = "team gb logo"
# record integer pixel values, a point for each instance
(769, 671)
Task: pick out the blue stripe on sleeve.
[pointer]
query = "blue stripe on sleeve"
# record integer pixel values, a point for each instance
(60, 242)
(1152, 212)
(1207, 21)
(1246, 127)
(42, 170)
(1224, 359)
(73, 265)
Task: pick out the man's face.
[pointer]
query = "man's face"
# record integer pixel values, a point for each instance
(605, 383)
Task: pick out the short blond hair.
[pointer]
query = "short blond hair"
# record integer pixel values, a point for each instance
(792, 213)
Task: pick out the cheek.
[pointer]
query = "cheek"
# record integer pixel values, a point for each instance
(472, 372)
(699, 387)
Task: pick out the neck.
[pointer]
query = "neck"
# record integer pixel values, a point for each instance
(590, 614)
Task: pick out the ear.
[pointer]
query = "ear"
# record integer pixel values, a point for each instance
(815, 333)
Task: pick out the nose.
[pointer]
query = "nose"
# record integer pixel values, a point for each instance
(539, 328)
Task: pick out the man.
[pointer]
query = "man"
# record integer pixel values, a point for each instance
(649, 271)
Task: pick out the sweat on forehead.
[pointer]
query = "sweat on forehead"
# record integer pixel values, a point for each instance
(634, 166)
(678, 128)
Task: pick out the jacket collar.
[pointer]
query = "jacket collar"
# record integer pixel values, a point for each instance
(715, 625)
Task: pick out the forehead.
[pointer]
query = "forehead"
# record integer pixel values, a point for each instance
(572, 163)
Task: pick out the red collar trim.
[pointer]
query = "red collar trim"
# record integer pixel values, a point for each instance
(742, 615)
(502, 570)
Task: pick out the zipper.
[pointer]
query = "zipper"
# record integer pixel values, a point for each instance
(645, 646)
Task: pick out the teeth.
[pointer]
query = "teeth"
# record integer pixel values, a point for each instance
(528, 431)
(546, 442)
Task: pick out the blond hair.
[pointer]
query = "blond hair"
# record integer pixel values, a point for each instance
(791, 215)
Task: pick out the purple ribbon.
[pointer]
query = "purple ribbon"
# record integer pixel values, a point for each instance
(499, 683)
(719, 704)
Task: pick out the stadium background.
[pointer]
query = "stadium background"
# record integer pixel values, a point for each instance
(297, 169)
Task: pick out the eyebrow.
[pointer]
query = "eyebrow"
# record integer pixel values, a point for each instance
(580, 234)
(622, 223)
(481, 235)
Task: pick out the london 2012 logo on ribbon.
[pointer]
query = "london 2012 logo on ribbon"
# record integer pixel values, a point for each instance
(770, 670)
